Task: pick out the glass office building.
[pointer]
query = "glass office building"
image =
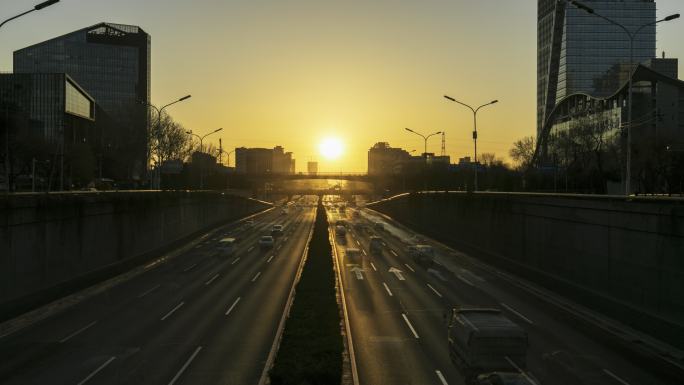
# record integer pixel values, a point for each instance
(112, 63)
(581, 53)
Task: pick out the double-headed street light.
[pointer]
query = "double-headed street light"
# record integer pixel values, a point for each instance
(38, 7)
(201, 139)
(425, 139)
(475, 110)
(632, 36)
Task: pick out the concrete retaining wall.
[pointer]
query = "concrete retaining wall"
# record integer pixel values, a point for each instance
(624, 258)
(51, 244)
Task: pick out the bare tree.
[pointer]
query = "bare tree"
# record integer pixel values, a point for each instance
(168, 140)
(523, 152)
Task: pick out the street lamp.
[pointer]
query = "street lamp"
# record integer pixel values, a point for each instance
(425, 139)
(201, 139)
(38, 7)
(475, 110)
(632, 36)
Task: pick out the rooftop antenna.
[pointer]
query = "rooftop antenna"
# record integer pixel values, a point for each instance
(443, 144)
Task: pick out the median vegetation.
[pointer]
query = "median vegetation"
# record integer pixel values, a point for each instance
(311, 348)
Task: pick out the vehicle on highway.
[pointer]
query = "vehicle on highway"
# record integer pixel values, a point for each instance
(375, 245)
(340, 222)
(340, 231)
(483, 340)
(277, 230)
(352, 254)
(378, 225)
(226, 247)
(266, 242)
(501, 378)
(423, 255)
(249, 223)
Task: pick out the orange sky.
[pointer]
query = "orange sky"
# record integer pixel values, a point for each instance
(293, 72)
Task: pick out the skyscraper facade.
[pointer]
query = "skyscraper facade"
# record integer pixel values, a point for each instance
(579, 52)
(112, 63)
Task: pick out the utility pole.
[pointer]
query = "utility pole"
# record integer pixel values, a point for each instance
(443, 143)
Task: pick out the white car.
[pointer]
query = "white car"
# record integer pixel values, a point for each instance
(277, 230)
(266, 242)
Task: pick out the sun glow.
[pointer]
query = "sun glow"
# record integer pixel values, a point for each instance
(331, 148)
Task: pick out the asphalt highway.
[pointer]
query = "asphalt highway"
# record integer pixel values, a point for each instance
(397, 317)
(197, 318)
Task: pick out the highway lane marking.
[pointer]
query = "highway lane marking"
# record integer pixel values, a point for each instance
(394, 253)
(270, 258)
(517, 313)
(190, 268)
(409, 267)
(250, 249)
(435, 290)
(615, 377)
(397, 273)
(256, 276)
(232, 306)
(521, 371)
(185, 366)
(441, 377)
(149, 291)
(364, 252)
(373, 266)
(93, 374)
(198, 246)
(212, 279)
(410, 326)
(235, 261)
(172, 311)
(358, 272)
(388, 290)
(77, 332)
(285, 239)
(357, 242)
(464, 280)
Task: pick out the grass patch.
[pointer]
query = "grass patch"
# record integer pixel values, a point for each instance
(311, 349)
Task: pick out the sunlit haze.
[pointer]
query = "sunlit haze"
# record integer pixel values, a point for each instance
(285, 72)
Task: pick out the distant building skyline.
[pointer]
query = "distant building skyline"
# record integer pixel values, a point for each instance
(264, 161)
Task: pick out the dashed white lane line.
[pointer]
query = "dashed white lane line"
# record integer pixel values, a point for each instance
(211, 280)
(256, 276)
(77, 332)
(189, 268)
(172, 311)
(364, 252)
(517, 313)
(373, 266)
(270, 259)
(615, 377)
(410, 326)
(441, 377)
(94, 373)
(185, 366)
(198, 246)
(435, 290)
(250, 249)
(149, 291)
(358, 243)
(232, 306)
(388, 290)
(235, 261)
(464, 280)
(394, 253)
(285, 239)
(409, 267)
(279, 246)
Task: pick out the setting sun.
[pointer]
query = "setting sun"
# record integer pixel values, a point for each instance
(331, 148)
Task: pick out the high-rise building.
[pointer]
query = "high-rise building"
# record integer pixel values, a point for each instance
(386, 160)
(112, 64)
(312, 168)
(264, 161)
(578, 52)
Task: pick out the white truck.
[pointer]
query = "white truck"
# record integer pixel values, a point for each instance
(483, 340)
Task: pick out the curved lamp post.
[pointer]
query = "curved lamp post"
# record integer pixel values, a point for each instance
(201, 139)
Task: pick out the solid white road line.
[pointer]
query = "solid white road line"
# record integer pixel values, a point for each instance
(74, 334)
(149, 291)
(91, 375)
(409, 267)
(189, 267)
(235, 261)
(250, 249)
(232, 306)
(270, 258)
(388, 290)
(615, 377)
(211, 280)
(441, 378)
(517, 313)
(256, 276)
(434, 290)
(464, 280)
(373, 266)
(172, 311)
(410, 326)
(185, 366)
